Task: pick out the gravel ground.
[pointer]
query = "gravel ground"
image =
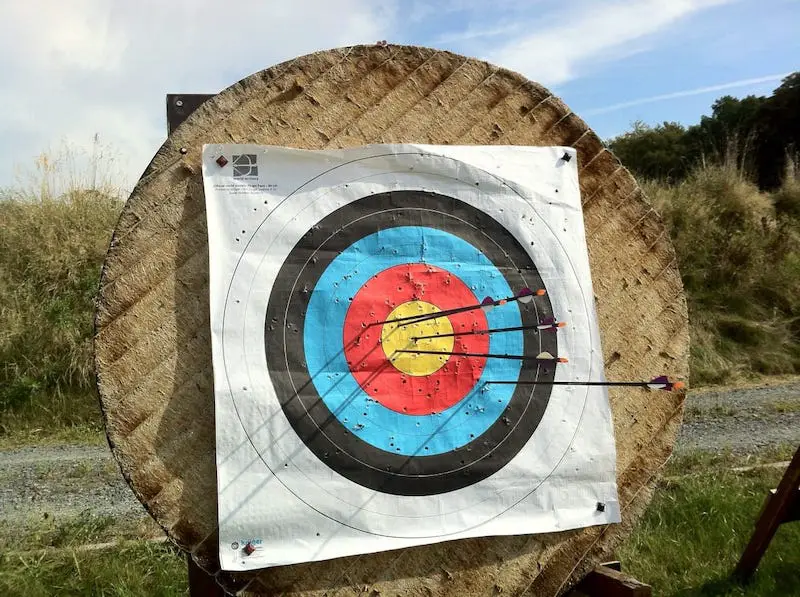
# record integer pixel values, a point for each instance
(39, 482)
(63, 481)
(741, 421)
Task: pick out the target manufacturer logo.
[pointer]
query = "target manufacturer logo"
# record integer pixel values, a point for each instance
(245, 166)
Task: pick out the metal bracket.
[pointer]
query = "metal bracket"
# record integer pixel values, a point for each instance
(181, 105)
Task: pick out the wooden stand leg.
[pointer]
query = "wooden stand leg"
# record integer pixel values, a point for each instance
(607, 580)
(782, 506)
(201, 584)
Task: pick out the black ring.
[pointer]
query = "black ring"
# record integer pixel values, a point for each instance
(313, 422)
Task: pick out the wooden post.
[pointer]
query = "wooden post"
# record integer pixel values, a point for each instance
(782, 506)
(201, 584)
(607, 580)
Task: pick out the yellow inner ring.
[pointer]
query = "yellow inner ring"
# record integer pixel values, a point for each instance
(398, 336)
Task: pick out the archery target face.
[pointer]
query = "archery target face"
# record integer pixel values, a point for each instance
(350, 417)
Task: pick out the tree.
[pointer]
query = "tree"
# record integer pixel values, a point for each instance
(756, 134)
(731, 134)
(657, 153)
(779, 118)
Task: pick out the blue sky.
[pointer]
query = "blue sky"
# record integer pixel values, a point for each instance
(103, 66)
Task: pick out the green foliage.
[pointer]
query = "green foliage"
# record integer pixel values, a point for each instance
(729, 135)
(694, 530)
(52, 243)
(779, 122)
(787, 198)
(740, 264)
(655, 153)
(138, 569)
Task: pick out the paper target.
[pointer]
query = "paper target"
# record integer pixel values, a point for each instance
(384, 343)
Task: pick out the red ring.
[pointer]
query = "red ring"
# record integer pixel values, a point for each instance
(398, 391)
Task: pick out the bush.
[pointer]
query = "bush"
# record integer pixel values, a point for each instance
(740, 265)
(52, 243)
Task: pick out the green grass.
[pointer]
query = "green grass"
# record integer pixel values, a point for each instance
(54, 233)
(21, 432)
(138, 569)
(694, 531)
(56, 557)
(699, 462)
(73, 531)
(786, 406)
(686, 545)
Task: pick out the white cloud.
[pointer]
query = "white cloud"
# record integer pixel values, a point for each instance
(473, 33)
(73, 69)
(686, 93)
(580, 35)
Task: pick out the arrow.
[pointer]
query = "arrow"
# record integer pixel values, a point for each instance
(478, 332)
(542, 356)
(550, 324)
(657, 383)
(524, 296)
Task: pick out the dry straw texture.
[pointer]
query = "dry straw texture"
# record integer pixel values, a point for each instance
(153, 352)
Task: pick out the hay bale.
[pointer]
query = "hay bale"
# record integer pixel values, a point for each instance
(153, 352)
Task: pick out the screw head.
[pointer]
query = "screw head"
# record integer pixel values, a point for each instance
(601, 507)
(179, 103)
(221, 161)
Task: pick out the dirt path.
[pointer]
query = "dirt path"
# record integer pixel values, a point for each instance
(63, 481)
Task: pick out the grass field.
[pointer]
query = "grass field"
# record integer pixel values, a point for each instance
(695, 529)
(139, 569)
(686, 545)
(54, 233)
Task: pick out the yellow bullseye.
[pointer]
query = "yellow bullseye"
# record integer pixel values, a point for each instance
(399, 336)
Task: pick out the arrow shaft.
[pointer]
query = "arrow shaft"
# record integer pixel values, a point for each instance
(515, 357)
(479, 332)
(421, 318)
(641, 384)
(429, 316)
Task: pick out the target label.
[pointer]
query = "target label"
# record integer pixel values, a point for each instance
(381, 378)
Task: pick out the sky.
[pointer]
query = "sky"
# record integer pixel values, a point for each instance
(92, 75)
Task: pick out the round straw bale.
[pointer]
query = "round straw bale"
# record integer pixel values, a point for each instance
(152, 343)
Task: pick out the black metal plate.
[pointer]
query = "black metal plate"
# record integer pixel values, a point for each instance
(181, 105)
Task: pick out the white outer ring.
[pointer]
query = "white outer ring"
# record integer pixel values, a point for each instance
(270, 432)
